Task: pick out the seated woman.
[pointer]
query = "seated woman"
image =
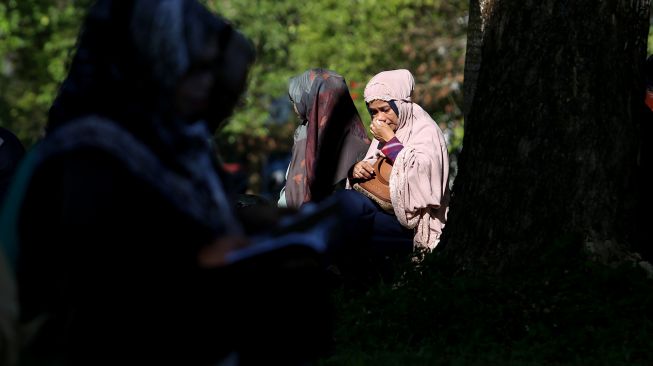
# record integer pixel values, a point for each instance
(414, 144)
(331, 136)
(118, 228)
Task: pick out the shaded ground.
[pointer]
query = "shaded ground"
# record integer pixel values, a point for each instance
(574, 313)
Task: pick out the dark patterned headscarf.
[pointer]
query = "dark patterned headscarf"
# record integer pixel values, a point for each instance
(130, 59)
(334, 138)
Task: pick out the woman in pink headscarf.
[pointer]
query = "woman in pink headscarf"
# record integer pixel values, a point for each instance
(419, 189)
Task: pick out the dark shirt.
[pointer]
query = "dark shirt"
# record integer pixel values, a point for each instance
(110, 265)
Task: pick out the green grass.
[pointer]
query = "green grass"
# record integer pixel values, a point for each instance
(573, 313)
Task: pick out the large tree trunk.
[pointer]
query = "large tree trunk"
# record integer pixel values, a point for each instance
(479, 12)
(551, 139)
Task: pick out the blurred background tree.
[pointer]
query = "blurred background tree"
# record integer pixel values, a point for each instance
(354, 38)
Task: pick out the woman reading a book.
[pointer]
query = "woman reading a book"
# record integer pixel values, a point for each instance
(118, 224)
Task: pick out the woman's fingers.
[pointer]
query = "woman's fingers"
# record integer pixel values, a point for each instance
(380, 130)
(368, 168)
(363, 170)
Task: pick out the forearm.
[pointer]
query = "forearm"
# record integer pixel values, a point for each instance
(392, 148)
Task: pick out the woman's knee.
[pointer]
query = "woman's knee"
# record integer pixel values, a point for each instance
(354, 203)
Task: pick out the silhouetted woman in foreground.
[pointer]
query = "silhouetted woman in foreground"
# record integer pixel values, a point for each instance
(119, 218)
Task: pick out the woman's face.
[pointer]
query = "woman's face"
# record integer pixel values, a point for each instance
(380, 110)
(194, 89)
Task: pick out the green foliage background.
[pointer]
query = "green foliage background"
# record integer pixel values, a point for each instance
(36, 40)
(356, 38)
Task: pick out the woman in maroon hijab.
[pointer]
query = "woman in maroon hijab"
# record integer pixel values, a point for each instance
(329, 140)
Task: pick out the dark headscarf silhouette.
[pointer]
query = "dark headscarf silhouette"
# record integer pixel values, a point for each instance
(130, 57)
(335, 136)
(11, 153)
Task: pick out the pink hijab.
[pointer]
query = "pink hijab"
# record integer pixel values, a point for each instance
(419, 182)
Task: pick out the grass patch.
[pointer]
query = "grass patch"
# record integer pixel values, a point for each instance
(576, 313)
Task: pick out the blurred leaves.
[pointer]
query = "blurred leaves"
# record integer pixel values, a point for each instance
(36, 40)
(357, 39)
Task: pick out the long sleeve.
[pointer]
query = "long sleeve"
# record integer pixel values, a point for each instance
(392, 148)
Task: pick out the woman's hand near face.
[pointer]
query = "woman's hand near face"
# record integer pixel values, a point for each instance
(381, 131)
(362, 170)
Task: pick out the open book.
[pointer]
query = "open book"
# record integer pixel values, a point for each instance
(314, 226)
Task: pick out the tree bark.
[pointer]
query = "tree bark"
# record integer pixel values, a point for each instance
(479, 13)
(551, 138)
